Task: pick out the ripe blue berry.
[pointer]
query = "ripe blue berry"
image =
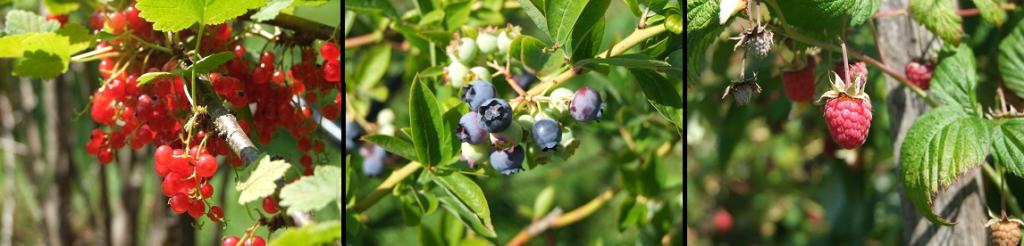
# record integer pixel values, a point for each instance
(586, 105)
(373, 162)
(508, 162)
(477, 92)
(525, 80)
(352, 134)
(547, 134)
(469, 130)
(495, 115)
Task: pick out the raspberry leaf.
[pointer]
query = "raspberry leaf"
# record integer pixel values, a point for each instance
(1007, 147)
(940, 17)
(955, 80)
(1011, 60)
(177, 15)
(941, 145)
(990, 11)
(701, 14)
(827, 14)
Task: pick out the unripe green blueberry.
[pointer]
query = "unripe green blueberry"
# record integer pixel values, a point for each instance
(384, 120)
(457, 73)
(568, 145)
(559, 100)
(486, 42)
(466, 50)
(481, 73)
(508, 138)
(526, 120)
(505, 39)
(475, 153)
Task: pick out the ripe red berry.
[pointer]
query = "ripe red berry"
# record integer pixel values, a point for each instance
(239, 51)
(255, 241)
(722, 220)
(180, 203)
(206, 165)
(105, 156)
(96, 20)
(163, 157)
(206, 190)
(920, 74)
(270, 205)
(849, 120)
(216, 213)
(330, 51)
(799, 84)
(230, 241)
(116, 22)
(107, 67)
(278, 77)
(267, 58)
(196, 209)
(63, 19)
(332, 71)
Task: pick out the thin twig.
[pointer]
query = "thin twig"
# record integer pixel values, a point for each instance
(563, 220)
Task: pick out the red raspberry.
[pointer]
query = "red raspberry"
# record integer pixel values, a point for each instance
(722, 220)
(920, 74)
(848, 120)
(847, 112)
(857, 70)
(799, 84)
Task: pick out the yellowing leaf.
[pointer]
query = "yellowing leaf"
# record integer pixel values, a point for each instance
(261, 182)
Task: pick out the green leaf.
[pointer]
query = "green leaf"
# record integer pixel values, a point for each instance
(270, 11)
(633, 60)
(991, 12)
(632, 214)
(535, 10)
(59, 7)
(697, 44)
(562, 18)
(39, 64)
(701, 14)
(534, 55)
(77, 35)
(955, 81)
(425, 119)
(1008, 145)
(467, 201)
(150, 76)
(320, 233)
(261, 181)
(374, 65)
(451, 122)
(545, 199)
(312, 193)
(410, 208)
(42, 55)
(581, 36)
(674, 22)
(456, 15)
(372, 7)
(1011, 59)
(941, 145)
(827, 14)
(940, 17)
(394, 145)
(210, 63)
(22, 22)
(174, 16)
(662, 95)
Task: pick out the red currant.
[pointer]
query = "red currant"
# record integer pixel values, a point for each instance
(267, 58)
(206, 166)
(216, 213)
(230, 241)
(116, 22)
(270, 205)
(180, 203)
(255, 241)
(206, 190)
(196, 209)
(330, 51)
(239, 51)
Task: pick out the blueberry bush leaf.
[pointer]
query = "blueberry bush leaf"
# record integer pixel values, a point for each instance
(428, 130)
(939, 147)
(955, 81)
(940, 17)
(465, 199)
(395, 145)
(177, 15)
(261, 181)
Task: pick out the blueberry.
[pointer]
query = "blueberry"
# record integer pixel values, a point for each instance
(586, 105)
(508, 162)
(547, 134)
(477, 92)
(456, 73)
(495, 115)
(469, 130)
(525, 80)
(373, 162)
(475, 153)
(352, 134)
(508, 138)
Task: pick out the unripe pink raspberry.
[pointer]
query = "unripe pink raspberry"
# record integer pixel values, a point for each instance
(799, 84)
(920, 74)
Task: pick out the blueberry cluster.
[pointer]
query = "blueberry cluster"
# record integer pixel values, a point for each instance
(374, 156)
(489, 133)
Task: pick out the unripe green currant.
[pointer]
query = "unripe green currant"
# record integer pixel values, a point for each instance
(456, 73)
(466, 51)
(508, 138)
(481, 73)
(486, 41)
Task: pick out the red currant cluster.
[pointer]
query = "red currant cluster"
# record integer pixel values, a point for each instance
(235, 241)
(186, 179)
